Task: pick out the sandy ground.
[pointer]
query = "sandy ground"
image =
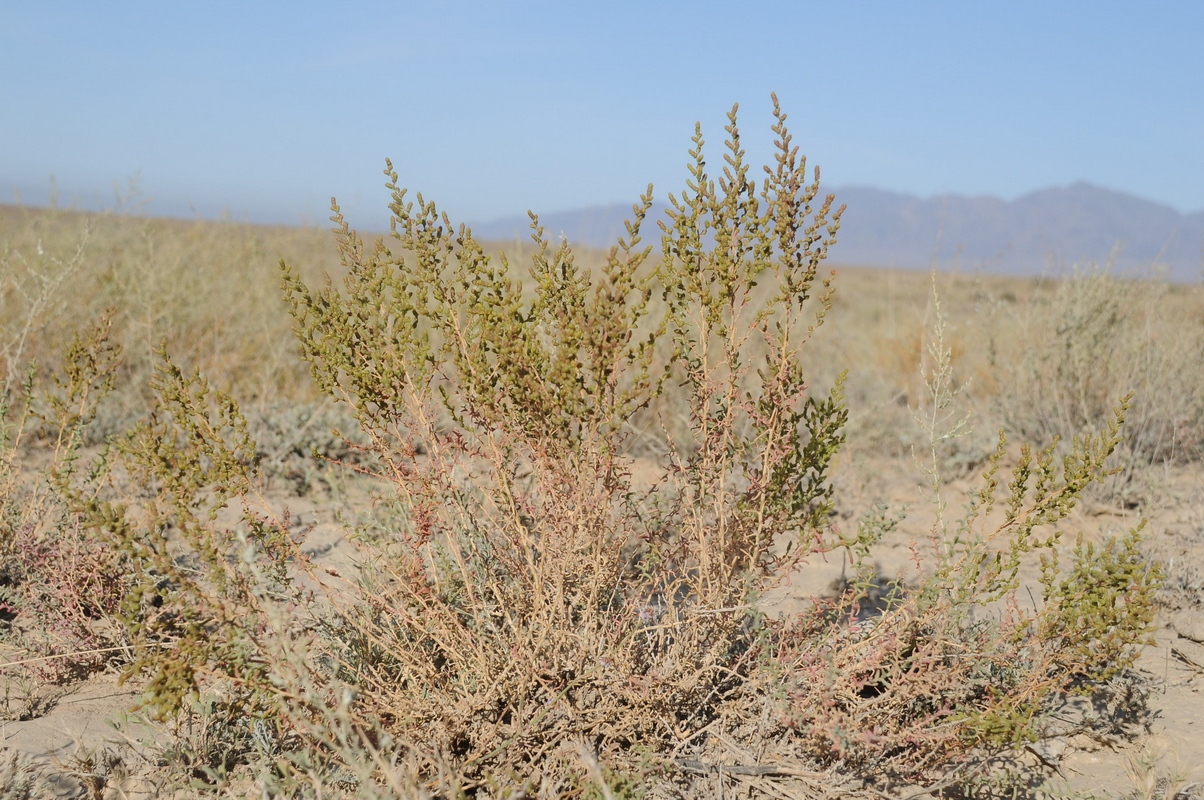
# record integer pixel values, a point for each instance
(90, 717)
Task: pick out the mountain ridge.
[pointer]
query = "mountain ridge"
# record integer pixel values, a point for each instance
(1046, 230)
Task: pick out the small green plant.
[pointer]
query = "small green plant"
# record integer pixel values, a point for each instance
(958, 664)
(62, 587)
(204, 582)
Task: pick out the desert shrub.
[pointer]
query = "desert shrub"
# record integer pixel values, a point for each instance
(61, 587)
(960, 664)
(1067, 354)
(205, 577)
(533, 597)
(528, 614)
(635, 613)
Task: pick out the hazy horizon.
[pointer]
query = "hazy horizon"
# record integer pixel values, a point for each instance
(120, 199)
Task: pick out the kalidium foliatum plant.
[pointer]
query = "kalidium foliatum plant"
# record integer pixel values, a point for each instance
(542, 607)
(535, 595)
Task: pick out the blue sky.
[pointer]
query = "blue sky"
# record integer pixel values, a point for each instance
(265, 110)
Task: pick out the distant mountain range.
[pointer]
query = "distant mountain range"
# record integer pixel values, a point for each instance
(1050, 230)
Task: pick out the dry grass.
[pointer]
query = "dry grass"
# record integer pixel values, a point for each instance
(210, 291)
